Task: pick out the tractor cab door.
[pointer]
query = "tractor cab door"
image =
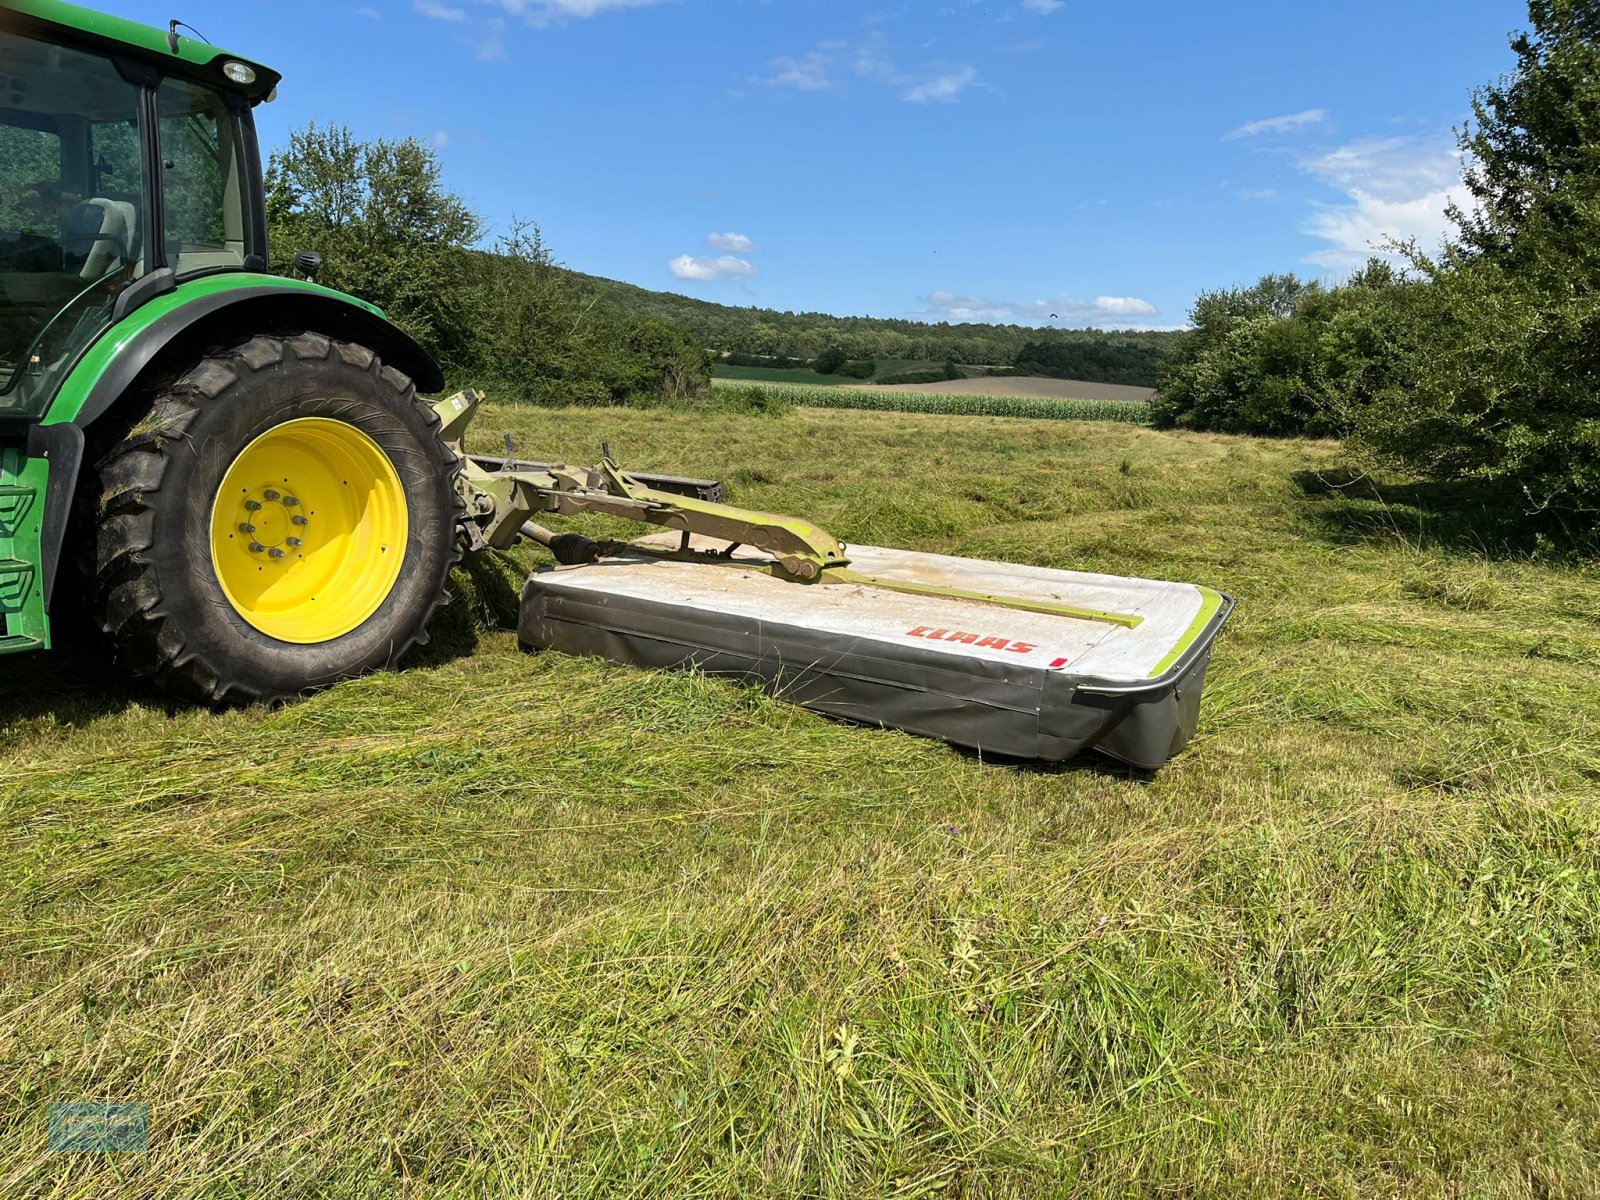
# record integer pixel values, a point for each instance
(74, 210)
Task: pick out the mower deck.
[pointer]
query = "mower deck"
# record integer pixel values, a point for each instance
(1123, 675)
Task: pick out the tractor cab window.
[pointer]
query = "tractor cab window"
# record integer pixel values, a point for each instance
(73, 210)
(202, 179)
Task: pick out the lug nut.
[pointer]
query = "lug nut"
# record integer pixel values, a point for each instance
(290, 501)
(274, 553)
(252, 505)
(256, 547)
(247, 528)
(270, 494)
(300, 520)
(293, 541)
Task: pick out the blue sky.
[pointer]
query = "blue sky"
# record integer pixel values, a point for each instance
(948, 160)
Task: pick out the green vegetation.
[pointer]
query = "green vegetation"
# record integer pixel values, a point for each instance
(801, 376)
(1132, 356)
(930, 374)
(1478, 365)
(513, 320)
(1041, 408)
(511, 925)
(1283, 357)
(1100, 360)
(850, 372)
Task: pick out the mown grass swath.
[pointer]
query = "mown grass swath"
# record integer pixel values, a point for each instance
(1041, 408)
(512, 925)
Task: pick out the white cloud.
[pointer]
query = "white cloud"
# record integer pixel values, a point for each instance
(1284, 124)
(1396, 189)
(705, 268)
(738, 243)
(807, 73)
(831, 64)
(943, 88)
(1392, 167)
(1124, 306)
(439, 12)
(546, 12)
(1102, 311)
(441, 139)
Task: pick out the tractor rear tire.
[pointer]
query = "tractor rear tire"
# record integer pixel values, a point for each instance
(280, 518)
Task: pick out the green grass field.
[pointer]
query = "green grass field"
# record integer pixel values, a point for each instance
(799, 376)
(538, 926)
(804, 376)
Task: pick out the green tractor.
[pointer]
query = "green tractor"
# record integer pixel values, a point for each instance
(233, 470)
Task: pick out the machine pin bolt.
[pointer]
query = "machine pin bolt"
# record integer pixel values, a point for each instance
(290, 502)
(293, 541)
(270, 494)
(256, 547)
(274, 553)
(300, 520)
(252, 505)
(247, 528)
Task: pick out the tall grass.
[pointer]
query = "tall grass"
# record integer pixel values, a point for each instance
(541, 926)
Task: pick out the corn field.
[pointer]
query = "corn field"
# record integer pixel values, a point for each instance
(1130, 412)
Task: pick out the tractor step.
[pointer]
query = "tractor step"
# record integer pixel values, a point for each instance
(17, 643)
(16, 583)
(15, 505)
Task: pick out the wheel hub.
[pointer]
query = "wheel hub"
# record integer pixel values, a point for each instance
(273, 525)
(308, 530)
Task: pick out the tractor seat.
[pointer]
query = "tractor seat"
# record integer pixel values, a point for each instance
(102, 232)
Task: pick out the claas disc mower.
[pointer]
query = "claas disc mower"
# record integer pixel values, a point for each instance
(239, 477)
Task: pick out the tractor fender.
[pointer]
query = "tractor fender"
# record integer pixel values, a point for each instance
(205, 319)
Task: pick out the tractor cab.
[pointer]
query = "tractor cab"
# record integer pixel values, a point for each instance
(125, 168)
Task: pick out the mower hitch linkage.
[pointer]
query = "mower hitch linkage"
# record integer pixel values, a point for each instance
(502, 494)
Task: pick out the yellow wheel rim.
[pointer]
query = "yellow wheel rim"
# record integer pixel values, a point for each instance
(308, 530)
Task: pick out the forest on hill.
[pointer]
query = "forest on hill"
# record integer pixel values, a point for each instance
(1130, 357)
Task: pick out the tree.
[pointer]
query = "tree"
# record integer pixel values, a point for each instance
(386, 227)
(1535, 149)
(830, 360)
(1499, 382)
(1237, 370)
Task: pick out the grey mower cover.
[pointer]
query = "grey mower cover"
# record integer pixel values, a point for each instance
(1002, 681)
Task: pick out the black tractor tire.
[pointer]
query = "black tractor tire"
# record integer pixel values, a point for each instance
(156, 591)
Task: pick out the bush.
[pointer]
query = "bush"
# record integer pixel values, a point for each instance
(1497, 378)
(829, 361)
(858, 370)
(1285, 358)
